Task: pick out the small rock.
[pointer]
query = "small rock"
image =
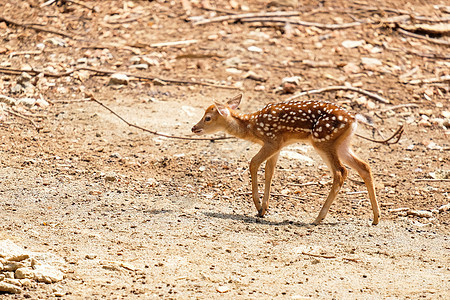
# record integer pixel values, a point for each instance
(7, 100)
(352, 44)
(370, 63)
(9, 288)
(150, 61)
(213, 37)
(29, 102)
(26, 282)
(91, 256)
(233, 71)
(223, 289)
(260, 88)
(288, 88)
(13, 281)
(111, 177)
(424, 123)
(294, 79)
(351, 68)
(41, 103)
(23, 273)
(444, 208)
(18, 257)
(140, 66)
(420, 213)
(40, 46)
(255, 49)
(252, 75)
(232, 61)
(47, 274)
(152, 182)
(135, 60)
(118, 79)
(13, 266)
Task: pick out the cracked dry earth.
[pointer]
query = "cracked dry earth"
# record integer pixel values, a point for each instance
(133, 215)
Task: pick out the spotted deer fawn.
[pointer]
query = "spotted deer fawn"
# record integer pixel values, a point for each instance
(328, 127)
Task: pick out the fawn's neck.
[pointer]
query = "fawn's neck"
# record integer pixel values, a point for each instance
(241, 126)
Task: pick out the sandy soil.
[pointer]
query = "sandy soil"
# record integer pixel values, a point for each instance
(135, 215)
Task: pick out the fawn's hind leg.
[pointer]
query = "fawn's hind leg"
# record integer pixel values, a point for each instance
(338, 171)
(363, 169)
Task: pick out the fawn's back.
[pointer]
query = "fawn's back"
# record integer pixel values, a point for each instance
(299, 120)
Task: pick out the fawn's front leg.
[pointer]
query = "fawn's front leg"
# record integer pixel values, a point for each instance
(269, 170)
(266, 152)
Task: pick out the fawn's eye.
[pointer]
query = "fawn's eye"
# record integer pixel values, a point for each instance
(207, 118)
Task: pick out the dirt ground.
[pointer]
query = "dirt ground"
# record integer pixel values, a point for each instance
(136, 215)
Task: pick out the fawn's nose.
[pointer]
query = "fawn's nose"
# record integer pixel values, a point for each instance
(196, 130)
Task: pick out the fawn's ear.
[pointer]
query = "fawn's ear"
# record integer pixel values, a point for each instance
(222, 109)
(234, 102)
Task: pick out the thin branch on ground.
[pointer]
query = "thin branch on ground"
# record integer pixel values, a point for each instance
(393, 139)
(398, 106)
(337, 88)
(35, 27)
(414, 52)
(38, 128)
(319, 255)
(304, 23)
(445, 78)
(92, 98)
(305, 184)
(235, 17)
(418, 36)
(432, 180)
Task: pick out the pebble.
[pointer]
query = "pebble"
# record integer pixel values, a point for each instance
(223, 289)
(420, 213)
(18, 257)
(444, 208)
(118, 79)
(352, 44)
(255, 49)
(23, 273)
(351, 68)
(7, 100)
(139, 66)
(21, 268)
(13, 266)
(370, 63)
(47, 274)
(9, 288)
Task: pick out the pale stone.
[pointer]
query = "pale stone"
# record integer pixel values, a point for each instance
(9, 288)
(47, 274)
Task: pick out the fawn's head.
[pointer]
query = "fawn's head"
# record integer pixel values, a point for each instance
(215, 117)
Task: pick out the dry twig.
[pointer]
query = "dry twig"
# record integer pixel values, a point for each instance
(418, 36)
(38, 128)
(35, 27)
(432, 180)
(444, 78)
(303, 23)
(337, 88)
(92, 98)
(319, 255)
